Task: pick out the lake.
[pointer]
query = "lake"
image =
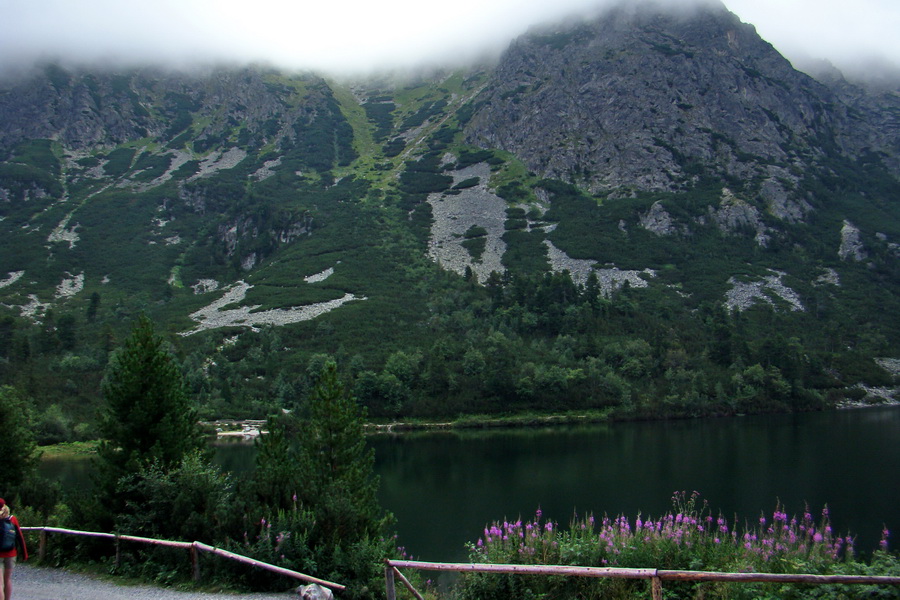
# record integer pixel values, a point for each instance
(443, 487)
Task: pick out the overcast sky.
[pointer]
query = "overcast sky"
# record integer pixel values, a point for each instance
(352, 35)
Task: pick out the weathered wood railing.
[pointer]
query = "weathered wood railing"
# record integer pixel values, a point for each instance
(656, 576)
(392, 568)
(194, 547)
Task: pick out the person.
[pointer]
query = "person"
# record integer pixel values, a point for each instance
(8, 558)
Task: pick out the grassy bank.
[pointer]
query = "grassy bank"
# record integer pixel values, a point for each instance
(491, 422)
(70, 449)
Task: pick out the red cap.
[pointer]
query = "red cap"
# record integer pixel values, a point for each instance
(2, 502)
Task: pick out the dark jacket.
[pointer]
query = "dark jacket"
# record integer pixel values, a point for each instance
(20, 542)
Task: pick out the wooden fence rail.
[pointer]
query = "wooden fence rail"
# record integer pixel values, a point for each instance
(194, 547)
(656, 576)
(392, 567)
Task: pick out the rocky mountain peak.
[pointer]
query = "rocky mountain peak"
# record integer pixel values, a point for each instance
(642, 98)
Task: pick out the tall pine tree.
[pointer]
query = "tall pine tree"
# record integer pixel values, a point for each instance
(315, 480)
(336, 466)
(320, 461)
(148, 416)
(17, 444)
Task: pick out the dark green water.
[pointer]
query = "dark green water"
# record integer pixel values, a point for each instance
(444, 487)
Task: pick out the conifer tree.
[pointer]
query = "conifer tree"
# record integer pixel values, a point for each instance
(315, 480)
(336, 466)
(148, 416)
(321, 461)
(17, 444)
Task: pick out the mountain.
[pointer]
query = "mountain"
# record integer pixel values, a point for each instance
(641, 99)
(646, 213)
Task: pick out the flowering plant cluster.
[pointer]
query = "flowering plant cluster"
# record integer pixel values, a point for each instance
(687, 537)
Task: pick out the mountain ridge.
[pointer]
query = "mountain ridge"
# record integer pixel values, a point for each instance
(632, 212)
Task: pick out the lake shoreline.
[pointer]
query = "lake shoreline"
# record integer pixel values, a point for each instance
(249, 430)
(238, 431)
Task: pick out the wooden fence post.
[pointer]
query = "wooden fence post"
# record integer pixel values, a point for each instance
(407, 584)
(656, 588)
(118, 553)
(389, 582)
(195, 562)
(42, 547)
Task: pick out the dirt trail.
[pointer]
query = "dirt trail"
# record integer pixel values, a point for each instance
(41, 583)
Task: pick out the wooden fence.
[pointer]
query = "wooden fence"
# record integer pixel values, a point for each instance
(392, 568)
(194, 547)
(656, 576)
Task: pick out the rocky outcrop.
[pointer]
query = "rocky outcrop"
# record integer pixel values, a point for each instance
(828, 277)
(744, 294)
(734, 214)
(658, 220)
(640, 98)
(851, 247)
(236, 233)
(781, 204)
(893, 247)
(233, 232)
(87, 109)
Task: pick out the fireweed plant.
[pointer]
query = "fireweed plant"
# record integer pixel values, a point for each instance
(687, 537)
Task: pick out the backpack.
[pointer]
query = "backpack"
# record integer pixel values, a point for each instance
(7, 535)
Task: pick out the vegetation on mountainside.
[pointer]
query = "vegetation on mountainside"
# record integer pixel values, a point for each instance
(324, 191)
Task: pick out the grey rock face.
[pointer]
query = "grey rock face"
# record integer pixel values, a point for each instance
(744, 294)
(781, 204)
(314, 592)
(90, 109)
(454, 215)
(851, 247)
(658, 220)
(642, 99)
(734, 214)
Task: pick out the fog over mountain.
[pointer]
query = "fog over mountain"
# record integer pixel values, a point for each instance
(361, 36)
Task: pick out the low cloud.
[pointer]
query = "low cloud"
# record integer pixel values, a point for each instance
(361, 36)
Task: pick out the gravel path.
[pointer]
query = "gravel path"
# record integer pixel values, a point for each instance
(39, 583)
